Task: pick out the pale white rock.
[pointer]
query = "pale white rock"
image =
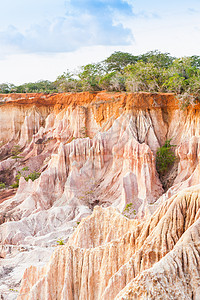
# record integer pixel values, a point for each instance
(93, 149)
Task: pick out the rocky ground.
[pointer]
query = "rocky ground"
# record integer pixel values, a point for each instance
(95, 153)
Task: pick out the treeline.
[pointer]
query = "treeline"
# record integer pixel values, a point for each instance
(151, 72)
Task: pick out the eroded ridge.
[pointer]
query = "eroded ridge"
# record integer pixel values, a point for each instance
(156, 252)
(92, 149)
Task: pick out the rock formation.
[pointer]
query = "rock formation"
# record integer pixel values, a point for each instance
(96, 154)
(143, 260)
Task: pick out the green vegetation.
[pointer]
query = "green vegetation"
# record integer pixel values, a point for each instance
(33, 176)
(149, 72)
(83, 131)
(129, 211)
(60, 242)
(23, 173)
(2, 185)
(165, 157)
(42, 86)
(119, 60)
(13, 290)
(15, 152)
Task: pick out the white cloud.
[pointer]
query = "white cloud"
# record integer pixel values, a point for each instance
(40, 39)
(84, 23)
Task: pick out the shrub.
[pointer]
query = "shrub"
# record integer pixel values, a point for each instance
(15, 185)
(83, 132)
(15, 152)
(129, 211)
(165, 157)
(144, 77)
(33, 176)
(186, 100)
(60, 242)
(2, 185)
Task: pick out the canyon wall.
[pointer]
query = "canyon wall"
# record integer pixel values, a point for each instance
(96, 154)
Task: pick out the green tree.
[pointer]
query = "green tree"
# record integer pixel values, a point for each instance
(144, 77)
(41, 86)
(159, 59)
(165, 157)
(182, 76)
(118, 61)
(175, 84)
(90, 76)
(67, 83)
(6, 88)
(195, 61)
(113, 81)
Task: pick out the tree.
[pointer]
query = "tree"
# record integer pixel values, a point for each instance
(6, 88)
(182, 77)
(118, 61)
(159, 59)
(195, 61)
(175, 84)
(165, 157)
(67, 83)
(113, 81)
(90, 76)
(41, 86)
(144, 77)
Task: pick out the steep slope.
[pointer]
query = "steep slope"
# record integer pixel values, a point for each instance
(176, 276)
(92, 149)
(112, 168)
(103, 271)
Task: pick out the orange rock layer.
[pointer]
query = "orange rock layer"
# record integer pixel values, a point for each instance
(96, 153)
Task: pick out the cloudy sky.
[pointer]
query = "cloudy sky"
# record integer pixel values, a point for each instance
(40, 39)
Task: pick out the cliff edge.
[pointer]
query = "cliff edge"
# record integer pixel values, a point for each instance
(94, 154)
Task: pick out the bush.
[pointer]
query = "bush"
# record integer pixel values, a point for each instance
(129, 211)
(15, 185)
(165, 157)
(144, 77)
(33, 176)
(15, 152)
(2, 185)
(60, 242)
(186, 100)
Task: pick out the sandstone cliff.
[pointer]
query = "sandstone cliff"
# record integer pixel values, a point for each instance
(95, 150)
(144, 263)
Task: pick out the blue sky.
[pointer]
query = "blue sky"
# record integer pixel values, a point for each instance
(41, 39)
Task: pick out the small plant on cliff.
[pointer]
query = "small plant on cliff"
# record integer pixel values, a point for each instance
(2, 144)
(165, 157)
(83, 132)
(13, 290)
(129, 211)
(15, 152)
(33, 176)
(2, 185)
(60, 242)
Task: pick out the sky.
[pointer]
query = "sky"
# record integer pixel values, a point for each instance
(41, 39)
